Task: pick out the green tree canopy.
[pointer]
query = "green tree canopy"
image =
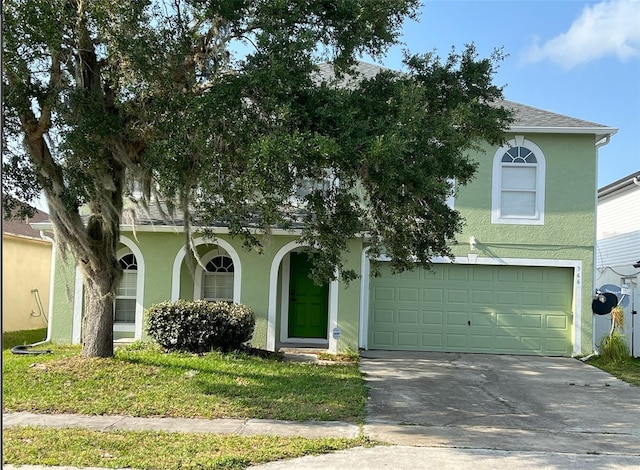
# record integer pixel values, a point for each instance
(237, 113)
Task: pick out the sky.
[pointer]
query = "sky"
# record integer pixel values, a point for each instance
(572, 57)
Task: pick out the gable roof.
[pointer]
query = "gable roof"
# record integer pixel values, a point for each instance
(22, 227)
(527, 118)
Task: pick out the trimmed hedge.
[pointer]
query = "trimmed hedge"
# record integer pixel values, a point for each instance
(200, 326)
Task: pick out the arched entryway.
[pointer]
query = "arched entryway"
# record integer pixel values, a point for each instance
(305, 312)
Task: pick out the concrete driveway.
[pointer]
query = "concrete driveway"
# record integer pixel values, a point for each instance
(512, 403)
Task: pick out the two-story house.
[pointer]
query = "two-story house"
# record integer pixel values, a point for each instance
(521, 281)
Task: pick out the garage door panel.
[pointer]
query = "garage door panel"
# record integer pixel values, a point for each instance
(557, 299)
(408, 294)
(408, 317)
(533, 276)
(457, 318)
(432, 317)
(508, 319)
(382, 316)
(382, 293)
(531, 344)
(482, 342)
(456, 342)
(384, 339)
(432, 340)
(408, 340)
(473, 309)
(458, 296)
(532, 320)
(433, 295)
(480, 319)
(482, 297)
(507, 298)
(482, 274)
(532, 298)
(556, 322)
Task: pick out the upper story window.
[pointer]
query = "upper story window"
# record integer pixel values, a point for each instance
(217, 282)
(125, 305)
(518, 184)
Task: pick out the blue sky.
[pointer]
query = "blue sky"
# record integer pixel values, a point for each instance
(578, 58)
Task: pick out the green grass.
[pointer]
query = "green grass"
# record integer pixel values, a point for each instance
(627, 370)
(143, 381)
(19, 338)
(155, 450)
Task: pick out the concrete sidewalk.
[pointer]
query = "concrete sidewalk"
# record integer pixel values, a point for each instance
(428, 449)
(239, 427)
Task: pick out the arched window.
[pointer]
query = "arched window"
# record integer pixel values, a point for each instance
(518, 184)
(125, 305)
(217, 279)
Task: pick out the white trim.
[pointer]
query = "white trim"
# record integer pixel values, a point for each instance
(140, 278)
(284, 299)
(609, 131)
(550, 263)
(365, 272)
(76, 329)
(496, 184)
(272, 315)
(333, 316)
(233, 254)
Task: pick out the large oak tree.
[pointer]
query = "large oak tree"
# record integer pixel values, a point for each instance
(220, 110)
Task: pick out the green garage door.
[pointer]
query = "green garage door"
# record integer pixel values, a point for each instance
(472, 308)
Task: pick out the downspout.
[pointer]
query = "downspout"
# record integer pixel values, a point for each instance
(601, 143)
(25, 349)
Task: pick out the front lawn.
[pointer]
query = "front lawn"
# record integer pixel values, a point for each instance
(156, 450)
(629, 370)
(143, 381)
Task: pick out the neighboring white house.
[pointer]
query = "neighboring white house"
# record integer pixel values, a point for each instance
(618, 253)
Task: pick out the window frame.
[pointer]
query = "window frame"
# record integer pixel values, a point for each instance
(126, 325)
(497, 184)
(218, 274)
(201, 272)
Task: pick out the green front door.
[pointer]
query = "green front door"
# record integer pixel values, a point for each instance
(308, 313)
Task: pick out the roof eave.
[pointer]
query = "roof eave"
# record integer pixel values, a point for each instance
(599, 132)
(176, 229)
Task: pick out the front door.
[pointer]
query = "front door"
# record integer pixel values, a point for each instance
(308, 302)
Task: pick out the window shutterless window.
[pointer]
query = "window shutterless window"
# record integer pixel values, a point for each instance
(124, 310)
(518, 184)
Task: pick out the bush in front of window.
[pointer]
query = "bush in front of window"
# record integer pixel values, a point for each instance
(200, 326)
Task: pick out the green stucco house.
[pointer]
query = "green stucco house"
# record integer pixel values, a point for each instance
(521, 282)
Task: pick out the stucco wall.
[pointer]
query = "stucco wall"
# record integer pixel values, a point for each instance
(568, 232)
(26, 266)
(160, 250)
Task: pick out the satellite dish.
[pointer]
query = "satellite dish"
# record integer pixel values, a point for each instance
(623, 298)
(602, 308)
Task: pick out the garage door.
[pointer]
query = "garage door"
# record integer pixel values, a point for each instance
(463, 308)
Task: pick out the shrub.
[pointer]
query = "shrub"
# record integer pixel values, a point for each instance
(200, 326)
(613, 348)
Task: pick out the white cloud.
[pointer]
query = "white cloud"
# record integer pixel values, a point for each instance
(604, 29)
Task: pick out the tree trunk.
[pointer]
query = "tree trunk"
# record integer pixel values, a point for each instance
(97, 331)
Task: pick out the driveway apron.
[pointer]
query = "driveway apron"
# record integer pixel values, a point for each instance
(480, 401)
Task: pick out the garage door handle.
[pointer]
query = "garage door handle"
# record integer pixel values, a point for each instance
(469, 322)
